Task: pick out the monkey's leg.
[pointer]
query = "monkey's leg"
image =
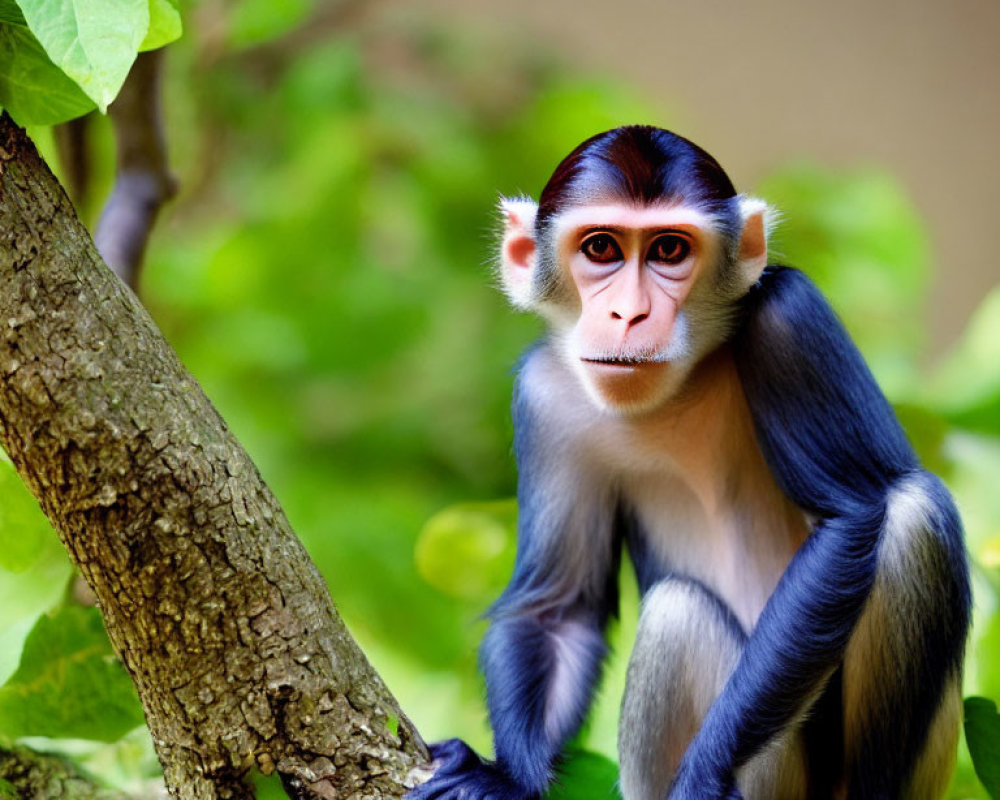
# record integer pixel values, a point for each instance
(902, 674)
(686, 647)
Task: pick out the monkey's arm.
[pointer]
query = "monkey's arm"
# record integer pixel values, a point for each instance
(540, 674)
(836, 448)
(542, 655)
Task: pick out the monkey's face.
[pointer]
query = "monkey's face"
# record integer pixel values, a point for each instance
(632, 271)
(634, 293)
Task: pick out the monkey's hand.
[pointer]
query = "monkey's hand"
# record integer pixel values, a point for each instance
(463, 775)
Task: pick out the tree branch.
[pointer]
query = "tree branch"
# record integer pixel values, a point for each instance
(34, 774)
(144, 181)
(239, 657)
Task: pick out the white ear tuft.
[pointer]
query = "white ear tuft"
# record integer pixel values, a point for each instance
(758, 220)
(519, 211)
(518, 253)
(754, 205)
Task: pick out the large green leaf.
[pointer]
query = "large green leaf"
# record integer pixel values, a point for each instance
(164, 24)
(92, 41)
(26, 595)
(33, 89)
(584, 775)
(34, 567)
(69, 683)
(10, 13)
(982, 732)
(24, 530)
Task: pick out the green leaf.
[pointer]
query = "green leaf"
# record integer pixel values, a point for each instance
(34, 568)
(26, 595)
(8, 791)
(10, 13)
(33, 89)
(268, 787)
(92, 41)
(982, 732)
(69, 683)
(164, 24)
(585, 776)
(24, 530)
(466, 550)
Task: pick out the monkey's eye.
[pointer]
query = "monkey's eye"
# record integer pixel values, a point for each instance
(601, 248)
(669, 249)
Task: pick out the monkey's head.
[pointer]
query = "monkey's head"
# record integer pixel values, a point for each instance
(637, 254)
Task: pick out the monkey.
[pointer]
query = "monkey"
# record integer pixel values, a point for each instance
(804, 581)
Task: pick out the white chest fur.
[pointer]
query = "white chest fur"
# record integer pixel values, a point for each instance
(691, 472)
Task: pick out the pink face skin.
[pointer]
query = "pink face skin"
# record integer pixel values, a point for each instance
(633, 269)
(640, 306)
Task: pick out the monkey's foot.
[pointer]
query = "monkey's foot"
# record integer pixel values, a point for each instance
(463, 775)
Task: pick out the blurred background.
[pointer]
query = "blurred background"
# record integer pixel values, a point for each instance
(325, 270)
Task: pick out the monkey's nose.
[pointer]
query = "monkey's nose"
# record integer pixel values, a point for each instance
(634, 319)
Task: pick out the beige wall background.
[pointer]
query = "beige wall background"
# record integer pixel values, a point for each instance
(912, 87)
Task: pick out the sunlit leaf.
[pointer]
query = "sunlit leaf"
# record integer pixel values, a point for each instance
(34, 568)
(24, 530)
(92, 44)
(164, 24)
(32, 88)
(69, 683)
(982, 732)
(466, 550)
(25, 595)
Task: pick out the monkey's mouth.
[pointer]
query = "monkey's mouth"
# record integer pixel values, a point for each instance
(620, 361)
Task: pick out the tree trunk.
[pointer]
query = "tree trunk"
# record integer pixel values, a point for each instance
(224, 623)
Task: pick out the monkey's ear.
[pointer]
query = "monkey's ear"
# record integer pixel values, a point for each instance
(518, 252)
(758, 221)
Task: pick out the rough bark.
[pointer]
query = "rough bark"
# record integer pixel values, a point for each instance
(32, 775)
(227, 628)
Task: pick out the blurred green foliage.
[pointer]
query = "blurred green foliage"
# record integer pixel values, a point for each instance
(325, 274)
